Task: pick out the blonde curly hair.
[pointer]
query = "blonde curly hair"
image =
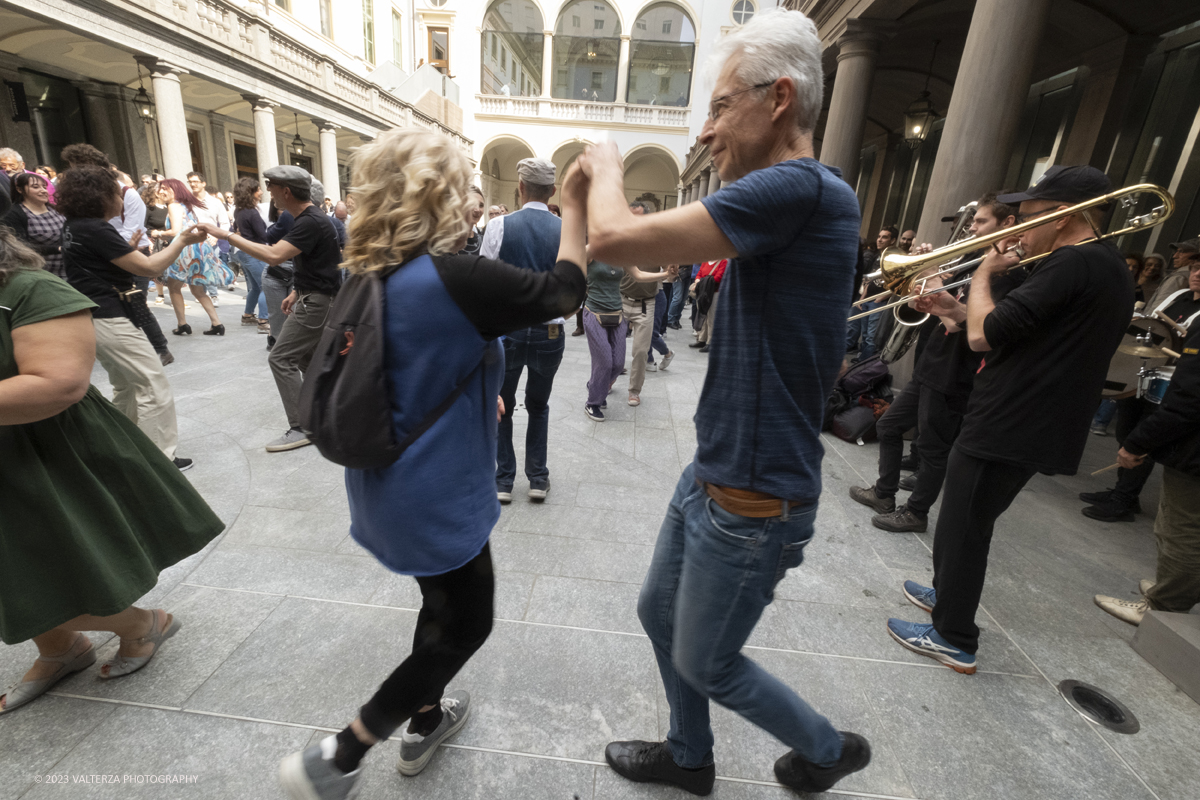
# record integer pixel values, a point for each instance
(411, 190)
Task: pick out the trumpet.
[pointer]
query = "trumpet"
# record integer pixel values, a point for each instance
(905, 276)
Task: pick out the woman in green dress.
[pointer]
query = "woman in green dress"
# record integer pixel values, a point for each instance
(83, 531)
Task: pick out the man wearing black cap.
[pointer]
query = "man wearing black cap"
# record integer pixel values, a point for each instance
(1047, 346)
(312, 246)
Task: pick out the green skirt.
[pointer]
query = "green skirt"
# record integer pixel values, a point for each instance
(90, 512)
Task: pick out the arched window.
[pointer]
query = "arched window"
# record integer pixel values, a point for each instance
(743, 10)
(511, 53)
(587, 47)
(661, 52)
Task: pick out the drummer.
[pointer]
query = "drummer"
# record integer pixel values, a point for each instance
(1121, 503)
(1172, 433)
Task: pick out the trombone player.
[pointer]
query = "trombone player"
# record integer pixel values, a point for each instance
(1047, 347)
(935, 400)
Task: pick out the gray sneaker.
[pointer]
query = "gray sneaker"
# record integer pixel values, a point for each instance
(289, 441)
(311, 775)
(416, 750)
(866, 495)
(666, 360)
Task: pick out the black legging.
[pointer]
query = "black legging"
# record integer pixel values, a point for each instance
(454, 622)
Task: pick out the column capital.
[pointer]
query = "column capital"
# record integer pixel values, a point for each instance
(548, 34)
(325, 126)
(259, 103)
(160, 69)
(625, 37)
(864, 36)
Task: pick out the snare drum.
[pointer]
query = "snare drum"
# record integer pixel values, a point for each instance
(1154, 383)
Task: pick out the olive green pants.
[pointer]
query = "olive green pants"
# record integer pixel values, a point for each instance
(1177, 529)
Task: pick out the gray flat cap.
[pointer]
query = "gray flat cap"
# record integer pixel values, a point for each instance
(317, 192)
(537, 171)
(286, 175)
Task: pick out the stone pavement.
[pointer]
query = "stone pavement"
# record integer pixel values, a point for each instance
(288, 626)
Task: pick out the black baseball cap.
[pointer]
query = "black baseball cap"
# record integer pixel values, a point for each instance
(1063, 184)
(1187, 246)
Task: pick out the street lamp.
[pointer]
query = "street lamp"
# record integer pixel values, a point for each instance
(920, 116)
(297, 142)
(142, 101)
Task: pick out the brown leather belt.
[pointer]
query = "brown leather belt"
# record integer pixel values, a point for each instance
(746, 503)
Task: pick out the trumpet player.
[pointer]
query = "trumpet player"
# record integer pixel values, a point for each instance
(1046, 349)
(935, 400)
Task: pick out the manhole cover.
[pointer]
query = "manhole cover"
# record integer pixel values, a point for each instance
(1098, 706)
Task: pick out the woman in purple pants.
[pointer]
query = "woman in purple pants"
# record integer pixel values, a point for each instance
(605, 326)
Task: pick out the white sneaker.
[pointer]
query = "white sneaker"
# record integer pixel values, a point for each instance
(216, 303)
(651, 367)
(1124, 610)
(666, 360)
(1145, 585)
(634, 400)
(504, 497)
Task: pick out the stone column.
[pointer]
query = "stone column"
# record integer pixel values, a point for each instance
(841, 145)
(265, 144)
(329, 159)
(170, 118)
(714, 181)
(984, 113)
(696, 193)
(623, 69)
(685, 195)
(703, 182)
(547, 63)
(222, 169)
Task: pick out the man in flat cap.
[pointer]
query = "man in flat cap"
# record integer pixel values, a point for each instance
(1047, 347)
(312, 246)
(528, 238)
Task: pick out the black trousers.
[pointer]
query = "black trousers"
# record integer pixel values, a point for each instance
(152, 330)
(1131, 411)
(938, 418)
(977, 493)
(454, 622)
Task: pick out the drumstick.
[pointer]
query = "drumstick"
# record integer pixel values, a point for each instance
(1106, 469)
(1170, 353)
(1179, 328)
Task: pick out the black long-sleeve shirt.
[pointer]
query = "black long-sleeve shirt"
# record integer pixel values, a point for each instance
(499, 298)
(1172, 433)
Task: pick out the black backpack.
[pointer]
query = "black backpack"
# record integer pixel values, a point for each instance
(345, 404)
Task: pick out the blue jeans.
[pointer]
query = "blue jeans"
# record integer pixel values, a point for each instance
(679, 296)
(252, 268)
(660, 324)
(533, 348)
(863, 328)
(1105, 413)
(712, 575)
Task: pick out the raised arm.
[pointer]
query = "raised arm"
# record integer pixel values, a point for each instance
(152, 266)
(616, 236)
(273, 254)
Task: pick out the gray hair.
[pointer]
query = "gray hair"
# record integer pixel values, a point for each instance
(776, 44)
(8, 152)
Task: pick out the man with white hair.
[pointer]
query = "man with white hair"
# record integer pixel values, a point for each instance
(744, 510)
(528, 238)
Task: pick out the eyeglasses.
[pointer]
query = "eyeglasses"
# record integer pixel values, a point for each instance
(715, 111)
(1034, 214)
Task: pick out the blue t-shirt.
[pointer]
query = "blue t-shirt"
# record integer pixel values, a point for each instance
(780, 327)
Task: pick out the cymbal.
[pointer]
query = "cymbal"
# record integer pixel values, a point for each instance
(1141, 351)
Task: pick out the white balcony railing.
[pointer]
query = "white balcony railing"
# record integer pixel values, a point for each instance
(611, 113)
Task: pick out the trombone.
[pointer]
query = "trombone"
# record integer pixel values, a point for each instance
(902, 274)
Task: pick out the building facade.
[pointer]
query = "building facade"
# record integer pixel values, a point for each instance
(224, 88)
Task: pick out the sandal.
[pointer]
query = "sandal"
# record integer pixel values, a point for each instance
(24, 692)
(122, 665)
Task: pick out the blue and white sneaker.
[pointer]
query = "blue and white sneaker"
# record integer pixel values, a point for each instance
(923, 640)
(923, 597)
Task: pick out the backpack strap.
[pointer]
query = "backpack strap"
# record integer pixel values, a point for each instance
(436, 414)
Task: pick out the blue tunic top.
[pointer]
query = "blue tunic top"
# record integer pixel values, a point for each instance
(433, 509)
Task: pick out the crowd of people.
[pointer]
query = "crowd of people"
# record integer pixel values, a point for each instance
(467, 309)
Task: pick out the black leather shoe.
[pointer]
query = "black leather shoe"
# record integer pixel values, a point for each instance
(1115, 510)
(908, 482)
(651, 762)
(215, 330)
(909, 463)
(704, 348)
(1105, 497)
(696, 344)
(868, 497)
(182, 330)
(804, 776)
